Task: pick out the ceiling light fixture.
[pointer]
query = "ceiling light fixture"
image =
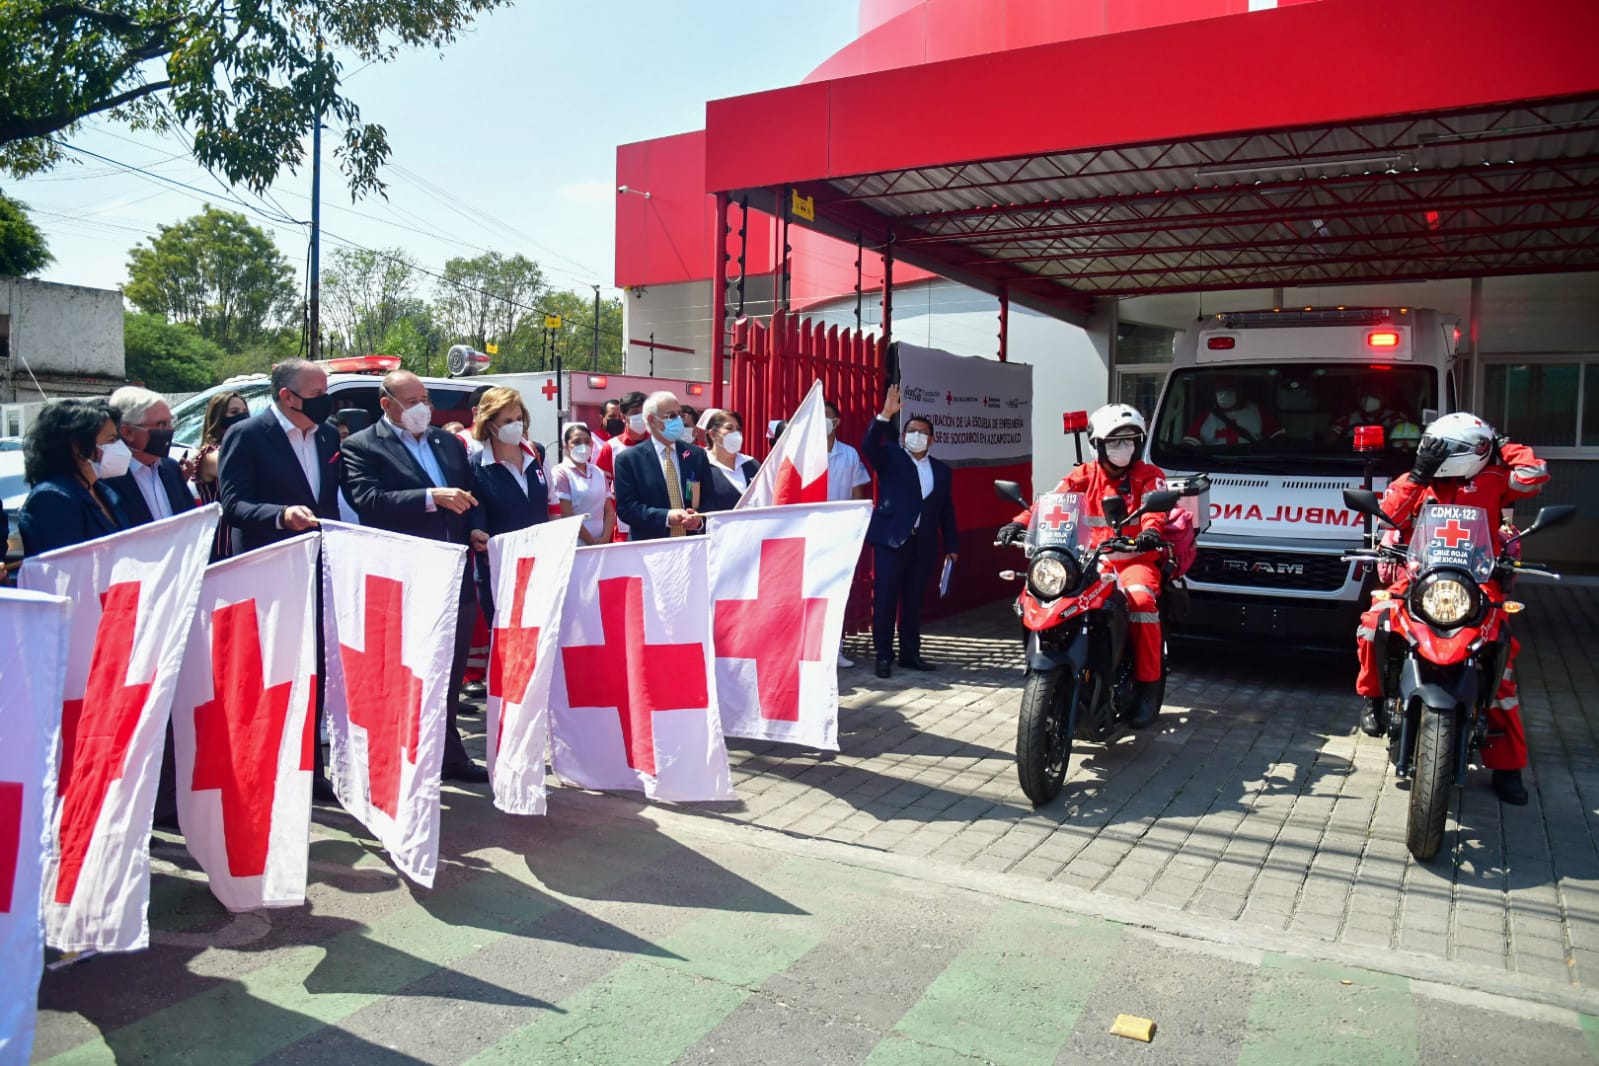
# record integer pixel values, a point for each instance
(1233, 170)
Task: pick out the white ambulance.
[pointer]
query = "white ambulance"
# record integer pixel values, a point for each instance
(1271, 405)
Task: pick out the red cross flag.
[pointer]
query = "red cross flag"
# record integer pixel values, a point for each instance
(33, 669)
(530, 568)
(796, 469)
(133, 595)
(243, 726)
(633, 705)
(780, 577)
(389, 607)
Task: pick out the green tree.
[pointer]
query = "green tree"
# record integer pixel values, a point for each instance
(167, 356)
(249, 79)
(364, 294)
(216, 272)
(23, 250)
(485, 298)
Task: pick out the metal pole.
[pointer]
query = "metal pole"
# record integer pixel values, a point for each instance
(888, 291)
(718, 304)
(560, 434)
(315, 280)
(652, 353)
(1004, 323)
(596, 365)
(859, 290)
(743, 249)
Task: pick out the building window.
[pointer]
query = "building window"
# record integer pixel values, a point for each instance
(1543, 404)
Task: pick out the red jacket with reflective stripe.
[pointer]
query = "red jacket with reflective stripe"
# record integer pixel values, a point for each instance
(1091, 480)
(1520, 473)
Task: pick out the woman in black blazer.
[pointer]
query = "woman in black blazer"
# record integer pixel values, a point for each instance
(511, 485)
(70, 447)
(729, 471)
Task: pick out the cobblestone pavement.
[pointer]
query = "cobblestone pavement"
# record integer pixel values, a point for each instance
(1255, 801)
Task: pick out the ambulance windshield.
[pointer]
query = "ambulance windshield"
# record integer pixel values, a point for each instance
(1293, 415)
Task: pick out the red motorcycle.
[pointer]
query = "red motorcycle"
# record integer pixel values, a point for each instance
(1443, 647)
(1079, 661)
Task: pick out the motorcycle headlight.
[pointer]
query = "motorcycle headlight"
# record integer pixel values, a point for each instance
(1445, 600)
(1051, 574)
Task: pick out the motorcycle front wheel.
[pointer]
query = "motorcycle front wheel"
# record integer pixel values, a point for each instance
(1043, 735)
(1432, 783)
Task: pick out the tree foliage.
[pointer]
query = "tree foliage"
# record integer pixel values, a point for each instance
(249, 79)
(216, 272)
(484, 298)
(23, 250)
(364, 294)
(167, 356)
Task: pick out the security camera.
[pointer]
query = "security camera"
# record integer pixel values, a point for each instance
(623, 190)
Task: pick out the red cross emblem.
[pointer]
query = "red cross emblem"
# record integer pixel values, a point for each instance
(237, 735)
(549, 390)
(1452, 534)
(778, 629)
(1057, 517)
(791, 487)
(10, 839)
(96, 732)
(632, 675)
(385, 697)
(513, 655)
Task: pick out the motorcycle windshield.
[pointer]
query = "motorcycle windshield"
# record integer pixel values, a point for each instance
(1057, 522)
(1452, 535)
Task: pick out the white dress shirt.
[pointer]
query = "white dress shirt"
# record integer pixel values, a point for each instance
(735, 473)
(845, 472)
(303, 442)
(518, 471)
(148, 478)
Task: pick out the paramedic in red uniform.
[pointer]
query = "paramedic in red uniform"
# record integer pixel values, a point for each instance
(1459, 461)
(1116, 432)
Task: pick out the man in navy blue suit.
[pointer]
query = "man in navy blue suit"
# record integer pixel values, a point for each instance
(654, 478)
(914, 510)
(404, 474)
(153, 487)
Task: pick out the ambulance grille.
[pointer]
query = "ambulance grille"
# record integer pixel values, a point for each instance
(1299, 571)
(1240, 482)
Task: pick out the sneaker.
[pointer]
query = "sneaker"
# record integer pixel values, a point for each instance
(843, 663)
(1508, 786)
(1374, 721)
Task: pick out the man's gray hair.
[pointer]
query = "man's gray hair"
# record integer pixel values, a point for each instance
(133, 402)
(287, 373)
(652, 402)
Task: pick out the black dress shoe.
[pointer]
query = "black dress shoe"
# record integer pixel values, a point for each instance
(322, 790)
(1508, 786)
(1151, 694)
(885, 667)
(467, 773)
(1374, 722)
(918, 664)
(474, 690)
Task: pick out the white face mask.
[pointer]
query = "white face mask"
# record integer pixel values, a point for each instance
(1120, 452)
(579, 453)
(916, 441)
(733, 442)
(637, 424)
(832, 425)
(1370, 404)
(1226, 399)
(510, 433)
(114, 461)
(416, 419)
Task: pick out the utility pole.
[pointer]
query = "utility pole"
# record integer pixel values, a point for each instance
(596, 366)
(316, 226)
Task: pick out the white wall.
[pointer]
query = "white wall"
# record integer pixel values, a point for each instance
(62, 330)
(680, 315)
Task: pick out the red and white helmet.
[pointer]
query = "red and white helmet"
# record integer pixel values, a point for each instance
(1116, 420)
(1471, 443)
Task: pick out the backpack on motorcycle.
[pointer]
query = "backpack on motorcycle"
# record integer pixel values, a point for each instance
(1183, 537)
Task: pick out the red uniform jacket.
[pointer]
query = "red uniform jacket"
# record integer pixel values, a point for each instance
(1091, 480)
(1499, 485)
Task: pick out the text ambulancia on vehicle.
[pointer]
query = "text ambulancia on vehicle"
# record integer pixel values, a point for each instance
(1270, 404)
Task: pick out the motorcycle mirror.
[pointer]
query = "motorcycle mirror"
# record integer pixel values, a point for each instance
(1160, 501)
(1010, 492)
(1364, 501)
(1115, 510)
(1552, 515)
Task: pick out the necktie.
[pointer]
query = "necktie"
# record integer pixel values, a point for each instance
(674, 488)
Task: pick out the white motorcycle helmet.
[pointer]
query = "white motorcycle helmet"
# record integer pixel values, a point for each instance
(1116, 422)
(1471, 443)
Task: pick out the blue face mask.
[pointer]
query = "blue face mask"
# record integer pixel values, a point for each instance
(672, 428)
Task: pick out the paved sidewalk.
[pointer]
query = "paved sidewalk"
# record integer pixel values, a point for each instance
(1255, 802)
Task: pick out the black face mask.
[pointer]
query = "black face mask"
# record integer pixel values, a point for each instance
(159, 442)
(615, 426)
(316, 408)
(229, 421)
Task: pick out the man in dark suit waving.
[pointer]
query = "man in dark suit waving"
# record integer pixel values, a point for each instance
(405, 475)
(153, 487)
(654, 479)
(914, 509)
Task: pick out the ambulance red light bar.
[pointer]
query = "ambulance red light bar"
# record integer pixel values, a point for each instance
(1075, 421)
(598, 381)
(1382, 339)
(1318, 316)
(1221, 344)
(1368, 438)
(361, 364)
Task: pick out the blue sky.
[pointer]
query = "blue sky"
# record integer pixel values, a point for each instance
(505, 142)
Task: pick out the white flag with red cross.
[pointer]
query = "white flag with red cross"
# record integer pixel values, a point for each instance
(244, 725)
(388, 615)
(530, 568)
(33, 669)
(133, 595)
(780, 580)
(633, 705)
(796, 469)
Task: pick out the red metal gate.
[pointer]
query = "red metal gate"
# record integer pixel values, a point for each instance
(774, 366)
